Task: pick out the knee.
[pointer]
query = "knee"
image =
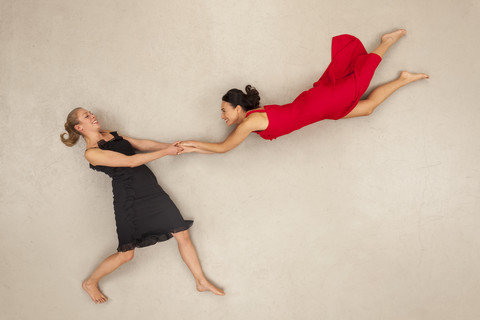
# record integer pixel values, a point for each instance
(182, 236)
(368, 111)
(126, 256)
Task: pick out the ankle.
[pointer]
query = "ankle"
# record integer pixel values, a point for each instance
(404, 79)
(201, 280)
(91, 282)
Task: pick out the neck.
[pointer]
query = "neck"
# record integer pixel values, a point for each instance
(92, 138)
(241, 116)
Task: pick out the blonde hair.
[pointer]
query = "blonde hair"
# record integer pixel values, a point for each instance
(73, 135)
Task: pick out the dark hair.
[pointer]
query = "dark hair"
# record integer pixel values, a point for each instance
(248, 101)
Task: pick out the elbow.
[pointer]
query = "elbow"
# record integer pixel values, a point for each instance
(228, 148)
(223, 149)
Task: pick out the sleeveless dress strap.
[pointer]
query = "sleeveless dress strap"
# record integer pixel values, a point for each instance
(102, 142)
(253, 111)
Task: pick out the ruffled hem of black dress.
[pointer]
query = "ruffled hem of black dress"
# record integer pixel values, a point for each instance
(152, 239)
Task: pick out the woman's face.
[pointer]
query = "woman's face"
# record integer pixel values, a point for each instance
(230, 114)
(87, 122)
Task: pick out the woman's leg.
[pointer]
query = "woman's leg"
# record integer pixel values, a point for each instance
(189, 256)
(107, 266)
(366, 107)
(388, 40)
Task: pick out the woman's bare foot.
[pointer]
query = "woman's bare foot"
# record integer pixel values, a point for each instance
(92, 289)
(394, 36)
(207, 286)
(411, 77)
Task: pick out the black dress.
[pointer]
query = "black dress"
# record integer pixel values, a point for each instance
(144, 213)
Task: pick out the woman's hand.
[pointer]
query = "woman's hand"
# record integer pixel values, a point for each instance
(188, 143)
(188, 150)
(174, 149)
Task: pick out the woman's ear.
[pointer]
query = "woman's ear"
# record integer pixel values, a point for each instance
(238, 108)
(78, 128)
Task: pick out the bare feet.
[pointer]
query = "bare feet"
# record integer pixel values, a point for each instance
(207, 286)
(411, 77)
(394, 36)
(93, 291)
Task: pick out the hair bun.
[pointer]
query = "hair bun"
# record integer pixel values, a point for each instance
(253, 97)
(248, 101)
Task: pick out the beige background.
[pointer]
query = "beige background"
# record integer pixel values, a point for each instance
(370, 218)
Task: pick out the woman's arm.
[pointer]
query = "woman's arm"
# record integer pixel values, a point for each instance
(99, 157)
(191, 149)
(235, 138)
(146, 145)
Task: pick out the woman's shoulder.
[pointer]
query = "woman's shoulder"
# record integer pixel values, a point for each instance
(95, 148)
(256, 114)
(90, 154)
(256, 120)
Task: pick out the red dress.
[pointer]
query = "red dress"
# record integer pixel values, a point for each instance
(333, 96)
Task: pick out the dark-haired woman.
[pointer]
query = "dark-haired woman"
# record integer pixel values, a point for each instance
(336, 95)
(144, 213)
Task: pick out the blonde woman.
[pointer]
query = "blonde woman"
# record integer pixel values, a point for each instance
(144, 213)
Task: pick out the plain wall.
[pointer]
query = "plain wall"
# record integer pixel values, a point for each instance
(368, 218)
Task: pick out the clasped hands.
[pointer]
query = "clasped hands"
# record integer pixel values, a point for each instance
(180, 147)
